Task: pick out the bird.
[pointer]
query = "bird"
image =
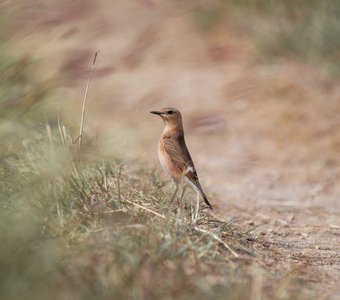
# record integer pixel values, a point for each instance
(174, 155)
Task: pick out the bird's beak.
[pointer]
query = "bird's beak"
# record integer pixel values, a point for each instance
(156, 112)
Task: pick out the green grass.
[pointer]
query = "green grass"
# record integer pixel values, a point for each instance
(305, 30)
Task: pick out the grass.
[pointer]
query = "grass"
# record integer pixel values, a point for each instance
(84, 229)
(305, 30)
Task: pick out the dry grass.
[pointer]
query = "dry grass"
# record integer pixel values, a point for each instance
(76, 229)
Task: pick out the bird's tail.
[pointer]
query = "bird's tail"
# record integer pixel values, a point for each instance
(197, 187)
(205, 199)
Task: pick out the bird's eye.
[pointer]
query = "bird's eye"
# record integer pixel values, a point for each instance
(170, 112)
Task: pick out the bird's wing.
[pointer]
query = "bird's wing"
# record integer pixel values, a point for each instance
(177, 151)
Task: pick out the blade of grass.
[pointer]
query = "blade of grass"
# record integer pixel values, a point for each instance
(82, 120)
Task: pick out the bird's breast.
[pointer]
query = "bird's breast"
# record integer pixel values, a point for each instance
(164, 159)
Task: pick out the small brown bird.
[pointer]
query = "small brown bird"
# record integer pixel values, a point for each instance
(174, 155)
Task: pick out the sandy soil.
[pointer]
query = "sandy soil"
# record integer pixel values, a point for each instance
(265, 138)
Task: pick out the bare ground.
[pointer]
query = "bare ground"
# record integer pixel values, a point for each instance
(265, 138)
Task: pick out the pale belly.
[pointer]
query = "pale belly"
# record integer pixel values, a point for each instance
(163, 159)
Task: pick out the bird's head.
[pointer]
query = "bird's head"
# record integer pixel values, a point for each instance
(170, 116)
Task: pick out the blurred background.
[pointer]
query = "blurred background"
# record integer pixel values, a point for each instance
(257, 83)
(258, 86)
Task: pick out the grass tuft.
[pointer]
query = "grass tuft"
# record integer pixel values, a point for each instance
(78, 228)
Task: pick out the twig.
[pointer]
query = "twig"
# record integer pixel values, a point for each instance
(84, 101)
(76, 139)
(147, 209)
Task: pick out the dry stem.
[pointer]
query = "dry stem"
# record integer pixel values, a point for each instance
(82, 120)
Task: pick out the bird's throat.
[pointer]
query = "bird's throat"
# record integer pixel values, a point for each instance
(173, 128)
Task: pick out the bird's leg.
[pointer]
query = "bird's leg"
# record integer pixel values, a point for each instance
(183, 191)
(183, 187)
(197, 208)
(174, 194)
